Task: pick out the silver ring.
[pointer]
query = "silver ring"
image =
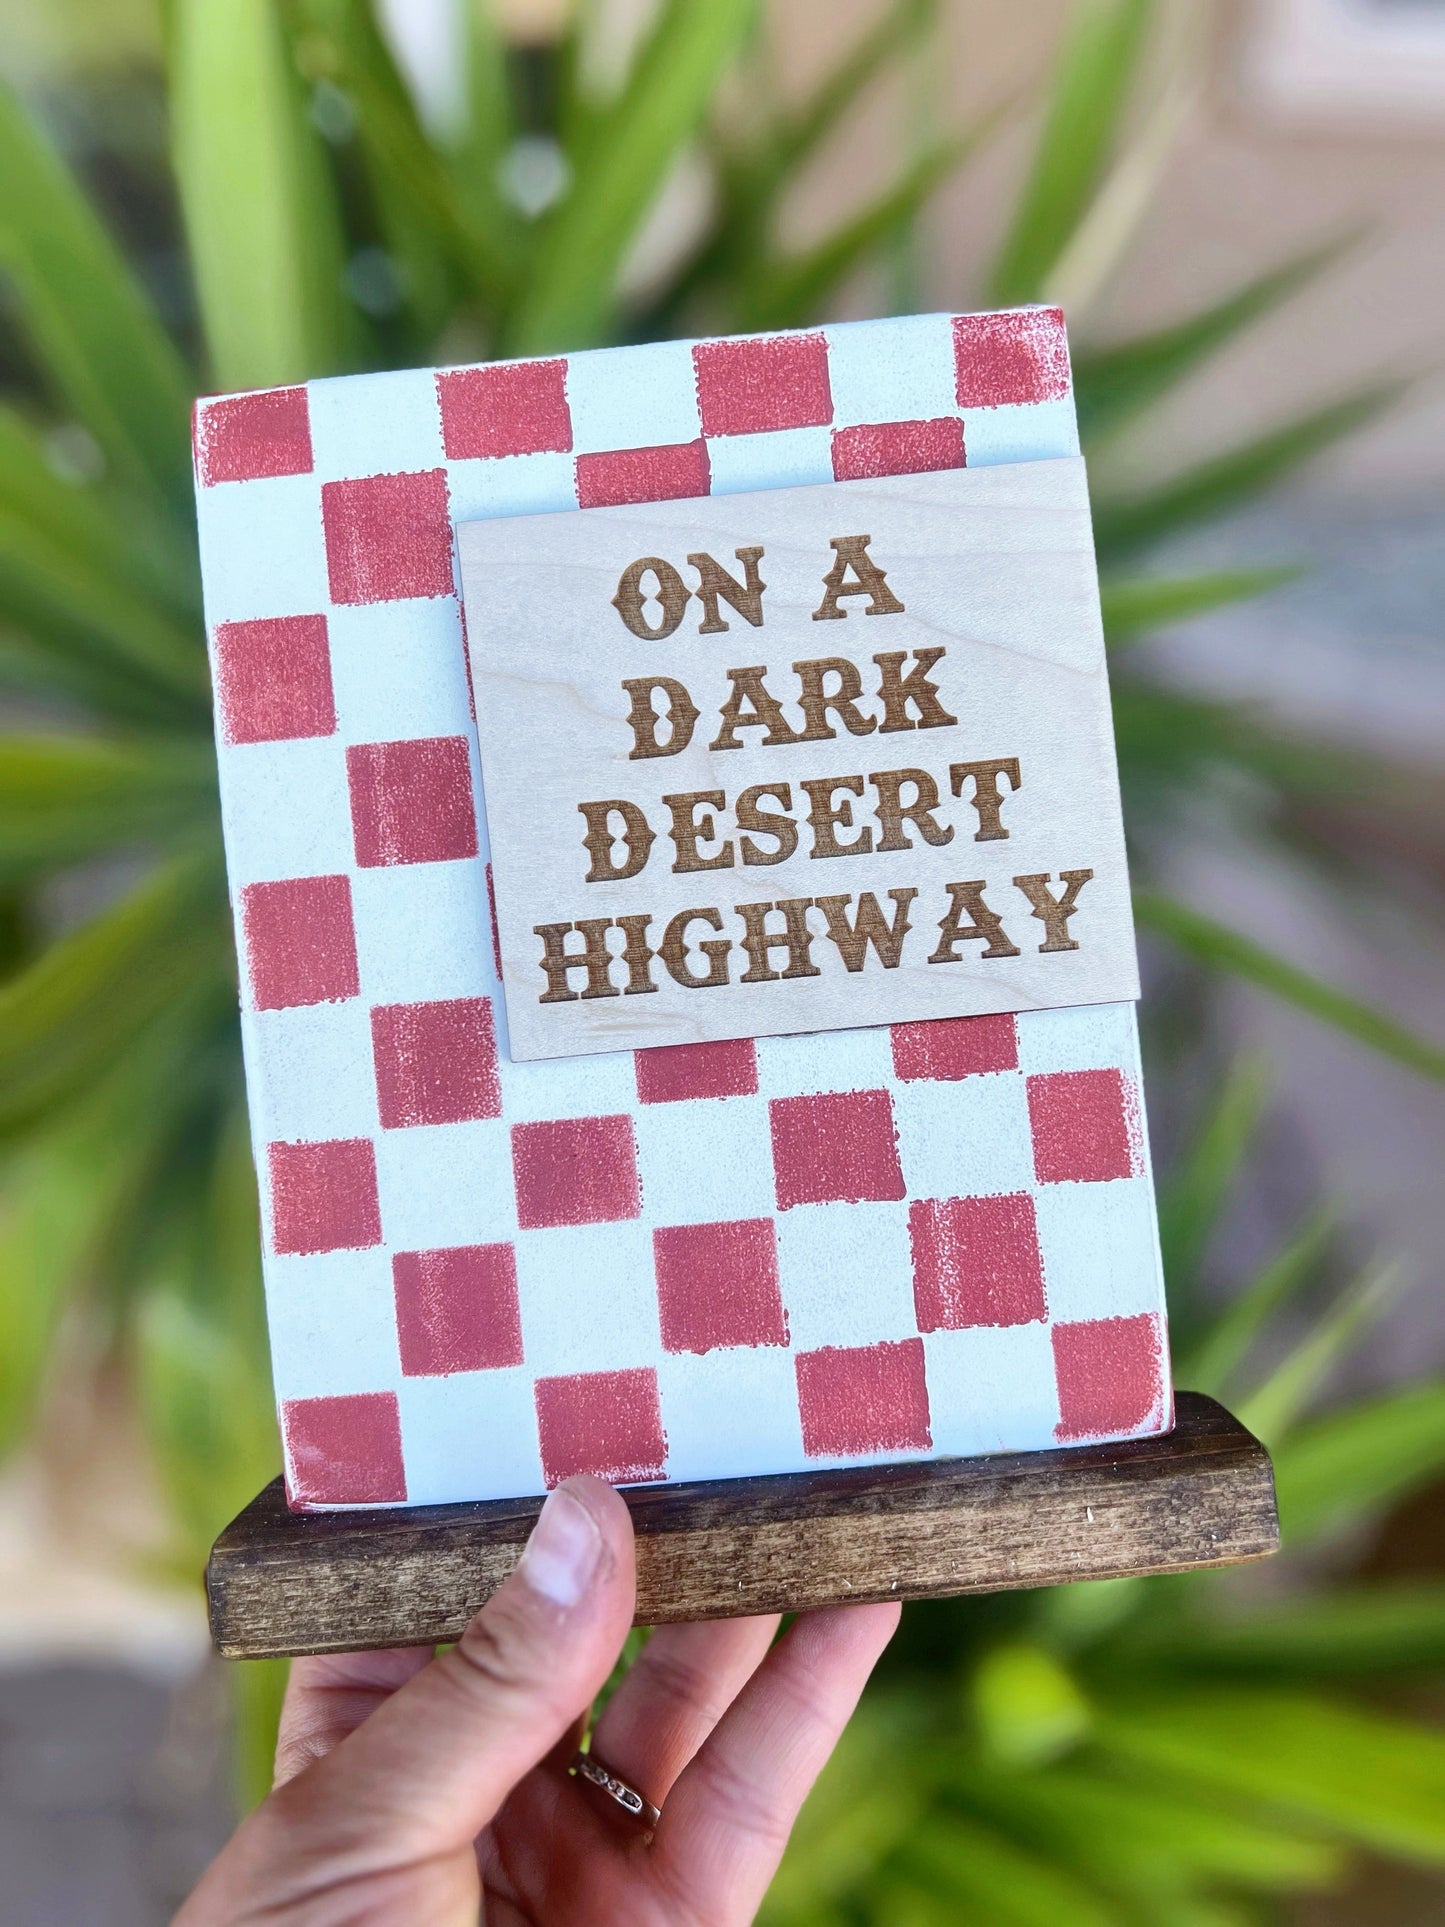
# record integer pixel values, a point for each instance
(588, 1767)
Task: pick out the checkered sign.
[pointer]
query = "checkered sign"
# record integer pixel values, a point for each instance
(699, 1261)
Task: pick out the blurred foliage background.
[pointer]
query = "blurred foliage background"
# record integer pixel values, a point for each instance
(266, 203)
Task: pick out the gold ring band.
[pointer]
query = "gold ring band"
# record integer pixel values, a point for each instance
(588, 1767)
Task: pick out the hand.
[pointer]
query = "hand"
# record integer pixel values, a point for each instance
(413, 1789)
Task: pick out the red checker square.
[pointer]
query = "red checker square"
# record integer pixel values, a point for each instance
(457, 1310)
(897, 448)
(750, 387)
(388, 536)
(575, 1170)
(1002, 358)
(839, 1146)
(976, 1262)
(661, 474)
(864, 1398)
(323, 1196)
(343, 1451)
(516, 408)
(1112, 1379)
(1083, 1127)
(954, 1047)
(671, 1073)
(273, 679)
(411, 802)
(300, 942)
(242, 438)
(717, 1284)
(436, 1063)
(609, 1423)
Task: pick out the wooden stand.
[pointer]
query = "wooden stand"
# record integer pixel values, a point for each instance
(282, 1582)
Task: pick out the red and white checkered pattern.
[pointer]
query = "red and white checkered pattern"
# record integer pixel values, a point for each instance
(701, 1261)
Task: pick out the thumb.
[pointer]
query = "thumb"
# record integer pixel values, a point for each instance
(427, 1771)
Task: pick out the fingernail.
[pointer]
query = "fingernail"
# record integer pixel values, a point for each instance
(563, 1551)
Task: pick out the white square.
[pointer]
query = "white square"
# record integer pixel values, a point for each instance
(471, 1435)
(332, 1320)
(825, 1060)
(263, 550)
(1100, 1249)
(846, 1274)
(1086, 1037)
(399, 669)
(446, 1184)
(314, 1072)
(705, 1162)
(633, 397)
(781, 458)
(387, 424)
(589, 1298)
(511, 485)
(965, 1138)
(730, 1414)
(424, 932)
(991, 1389)
(568, 1086)
(892, 371)
(1032, 431)
(287, 808)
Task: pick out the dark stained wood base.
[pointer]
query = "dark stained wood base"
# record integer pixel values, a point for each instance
(282, 1582)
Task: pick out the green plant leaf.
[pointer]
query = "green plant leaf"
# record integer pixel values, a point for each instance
(1216, 944)
(620, 169)
(1139, 604)
(53, 1198)
(1272, 1407)
(1145, 1837)
(1338, 1470)
(1190, 1203)
(793, 291)
(63, 1195)
(975, 1868)
(1092, 82)
(1353, 1634)
(106, 356)
(63, 798)
(258, 1689)
(432, 231)
(1377, 1781)
(1027, 1704)
(751, 179)
(267, 255)
(80, 572)
(1125, 525)
(104, 529)
(901, 26)
(73, 676)
(1212, 1365)
(477, 158)
(80, 1005)
(1113, 384)
(77, 611)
